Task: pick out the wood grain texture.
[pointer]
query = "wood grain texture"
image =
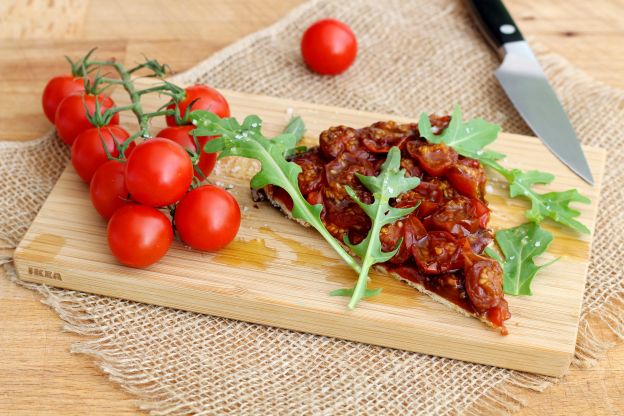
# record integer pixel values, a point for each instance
(589, 34)
(279, 273)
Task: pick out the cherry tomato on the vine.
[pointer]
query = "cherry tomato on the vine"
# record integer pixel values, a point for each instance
(71, 118)
(158, 172)
(207, 218)
(200, 97)
(138, 235)
(88, 154)
(181, 135)
(56, 90)
(329, 47)
(108, 190)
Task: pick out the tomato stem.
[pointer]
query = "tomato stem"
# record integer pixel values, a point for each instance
(125, 80)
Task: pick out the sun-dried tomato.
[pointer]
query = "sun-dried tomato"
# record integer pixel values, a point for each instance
(382, 136)
(312, 167)
(341, 172)
(479, 240)
(435, 159)
(412, 170)
(437, 252)
(460, 216)
(468, 177)
(484, 281)
(336, 140)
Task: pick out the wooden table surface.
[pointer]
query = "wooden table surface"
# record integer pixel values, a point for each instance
(38, 375)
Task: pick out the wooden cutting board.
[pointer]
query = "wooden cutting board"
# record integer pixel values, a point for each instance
(279, 273)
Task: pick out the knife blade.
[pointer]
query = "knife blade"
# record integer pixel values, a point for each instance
(526, 85)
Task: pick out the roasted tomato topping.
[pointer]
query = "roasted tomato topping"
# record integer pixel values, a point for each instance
(410, 230)
(460, 216)
(437, 252)
(339, 139)
(479, 240)
(341, 172)
(412, 170)
(441, 241)
(484, 281)
(468, 177)
(384, 135)
(435, 159)
(311, 176)
(499, 314)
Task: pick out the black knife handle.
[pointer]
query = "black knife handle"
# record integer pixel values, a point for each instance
(495, 22)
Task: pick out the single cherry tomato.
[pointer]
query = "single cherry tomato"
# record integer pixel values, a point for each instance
(435, 159)
(410, 229)
(138, 235)
(200, 97)
(159, 172)
(484, 281)
(499, 314)
(181, 135)
(108, 190)
(56, 90)
(468, 177)
(88, 154)
(460, 216)
(71, 118)
(437, 252)
(207, 218)
(328, 47)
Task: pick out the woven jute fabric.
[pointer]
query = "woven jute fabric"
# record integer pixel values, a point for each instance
(414, 56)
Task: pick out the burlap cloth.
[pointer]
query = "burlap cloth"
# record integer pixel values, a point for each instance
(414, 56)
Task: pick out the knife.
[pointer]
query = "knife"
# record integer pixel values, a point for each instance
(527, 87)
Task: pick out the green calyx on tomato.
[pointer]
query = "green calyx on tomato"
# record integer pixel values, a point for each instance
(197, 97)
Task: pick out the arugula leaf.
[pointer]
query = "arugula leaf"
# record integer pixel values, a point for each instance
(296, 127)
(554, 205)
(390, 183)
(246, 140)
(520, 245)
(469, 139)
(466, 138)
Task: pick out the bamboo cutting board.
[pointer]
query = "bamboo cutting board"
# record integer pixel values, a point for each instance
(279, 273)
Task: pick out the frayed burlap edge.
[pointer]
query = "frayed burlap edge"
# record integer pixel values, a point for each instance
(505, 397)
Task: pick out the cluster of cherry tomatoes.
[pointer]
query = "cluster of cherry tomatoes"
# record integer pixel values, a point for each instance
(145, 190)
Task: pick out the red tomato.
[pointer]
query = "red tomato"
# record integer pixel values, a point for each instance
(460, 216)
(435, 159)
(158, 172)
(329, 47)
(87, 153)
(108, 190)
(437, 252)
(181, 135)
(71, 119)
(56, 90)
(207, 218)
(499, 314)
(468, 177)
(201, 97)
(484, 281)
(138, 235)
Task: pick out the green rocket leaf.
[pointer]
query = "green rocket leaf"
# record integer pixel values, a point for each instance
(390, 183)
(520, 246)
